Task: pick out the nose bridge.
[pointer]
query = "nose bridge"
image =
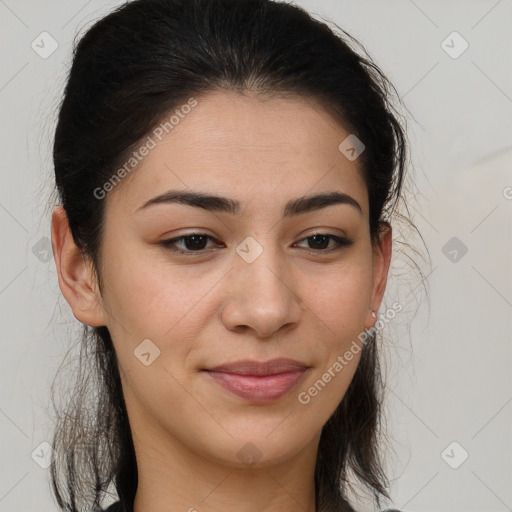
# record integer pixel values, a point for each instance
(261, 295)
(262, 268)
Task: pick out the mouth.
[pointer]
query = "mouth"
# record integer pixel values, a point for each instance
(259, 382)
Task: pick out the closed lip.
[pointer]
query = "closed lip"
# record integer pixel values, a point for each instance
(260, 368)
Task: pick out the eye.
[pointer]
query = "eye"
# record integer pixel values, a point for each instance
(319, 241)
(196, 242)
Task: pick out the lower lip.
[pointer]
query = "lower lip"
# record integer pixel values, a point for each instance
(258, 389)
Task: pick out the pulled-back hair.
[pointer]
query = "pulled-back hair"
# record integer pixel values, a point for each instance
(130, 70)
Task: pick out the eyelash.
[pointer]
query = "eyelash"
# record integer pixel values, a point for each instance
(341, 241)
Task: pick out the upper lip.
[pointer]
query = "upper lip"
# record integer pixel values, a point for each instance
(271, 367)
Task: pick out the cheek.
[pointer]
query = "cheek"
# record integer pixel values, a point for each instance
(340, 297)
(149, 296)
(145, 304)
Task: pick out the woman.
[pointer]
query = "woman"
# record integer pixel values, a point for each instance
(227, 172)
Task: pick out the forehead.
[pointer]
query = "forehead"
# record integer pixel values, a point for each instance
(246, 147)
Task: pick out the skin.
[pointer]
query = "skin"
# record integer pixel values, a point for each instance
(295, 300)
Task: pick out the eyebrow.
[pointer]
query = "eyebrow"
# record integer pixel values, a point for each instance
(233, 207)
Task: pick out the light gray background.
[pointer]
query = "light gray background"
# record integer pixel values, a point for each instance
(449, 377)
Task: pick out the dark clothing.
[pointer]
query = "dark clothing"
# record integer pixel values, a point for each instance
(117, 507)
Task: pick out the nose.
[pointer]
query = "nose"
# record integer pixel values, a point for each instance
(261, 295)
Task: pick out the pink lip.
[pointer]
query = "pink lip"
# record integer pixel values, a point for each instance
(259, 382)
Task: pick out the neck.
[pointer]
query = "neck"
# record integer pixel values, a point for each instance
(173, 478)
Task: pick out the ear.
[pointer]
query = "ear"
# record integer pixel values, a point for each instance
(381, 262)
(76, 278)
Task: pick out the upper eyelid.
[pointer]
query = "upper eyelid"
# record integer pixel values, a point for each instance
(341, 237)
(198, 233)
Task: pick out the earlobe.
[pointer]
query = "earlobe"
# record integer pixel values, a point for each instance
(76, 280)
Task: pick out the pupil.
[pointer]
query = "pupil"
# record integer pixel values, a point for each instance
(195, 239)
(315, 237)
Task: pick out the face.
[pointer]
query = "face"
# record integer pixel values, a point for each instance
(266, 278)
